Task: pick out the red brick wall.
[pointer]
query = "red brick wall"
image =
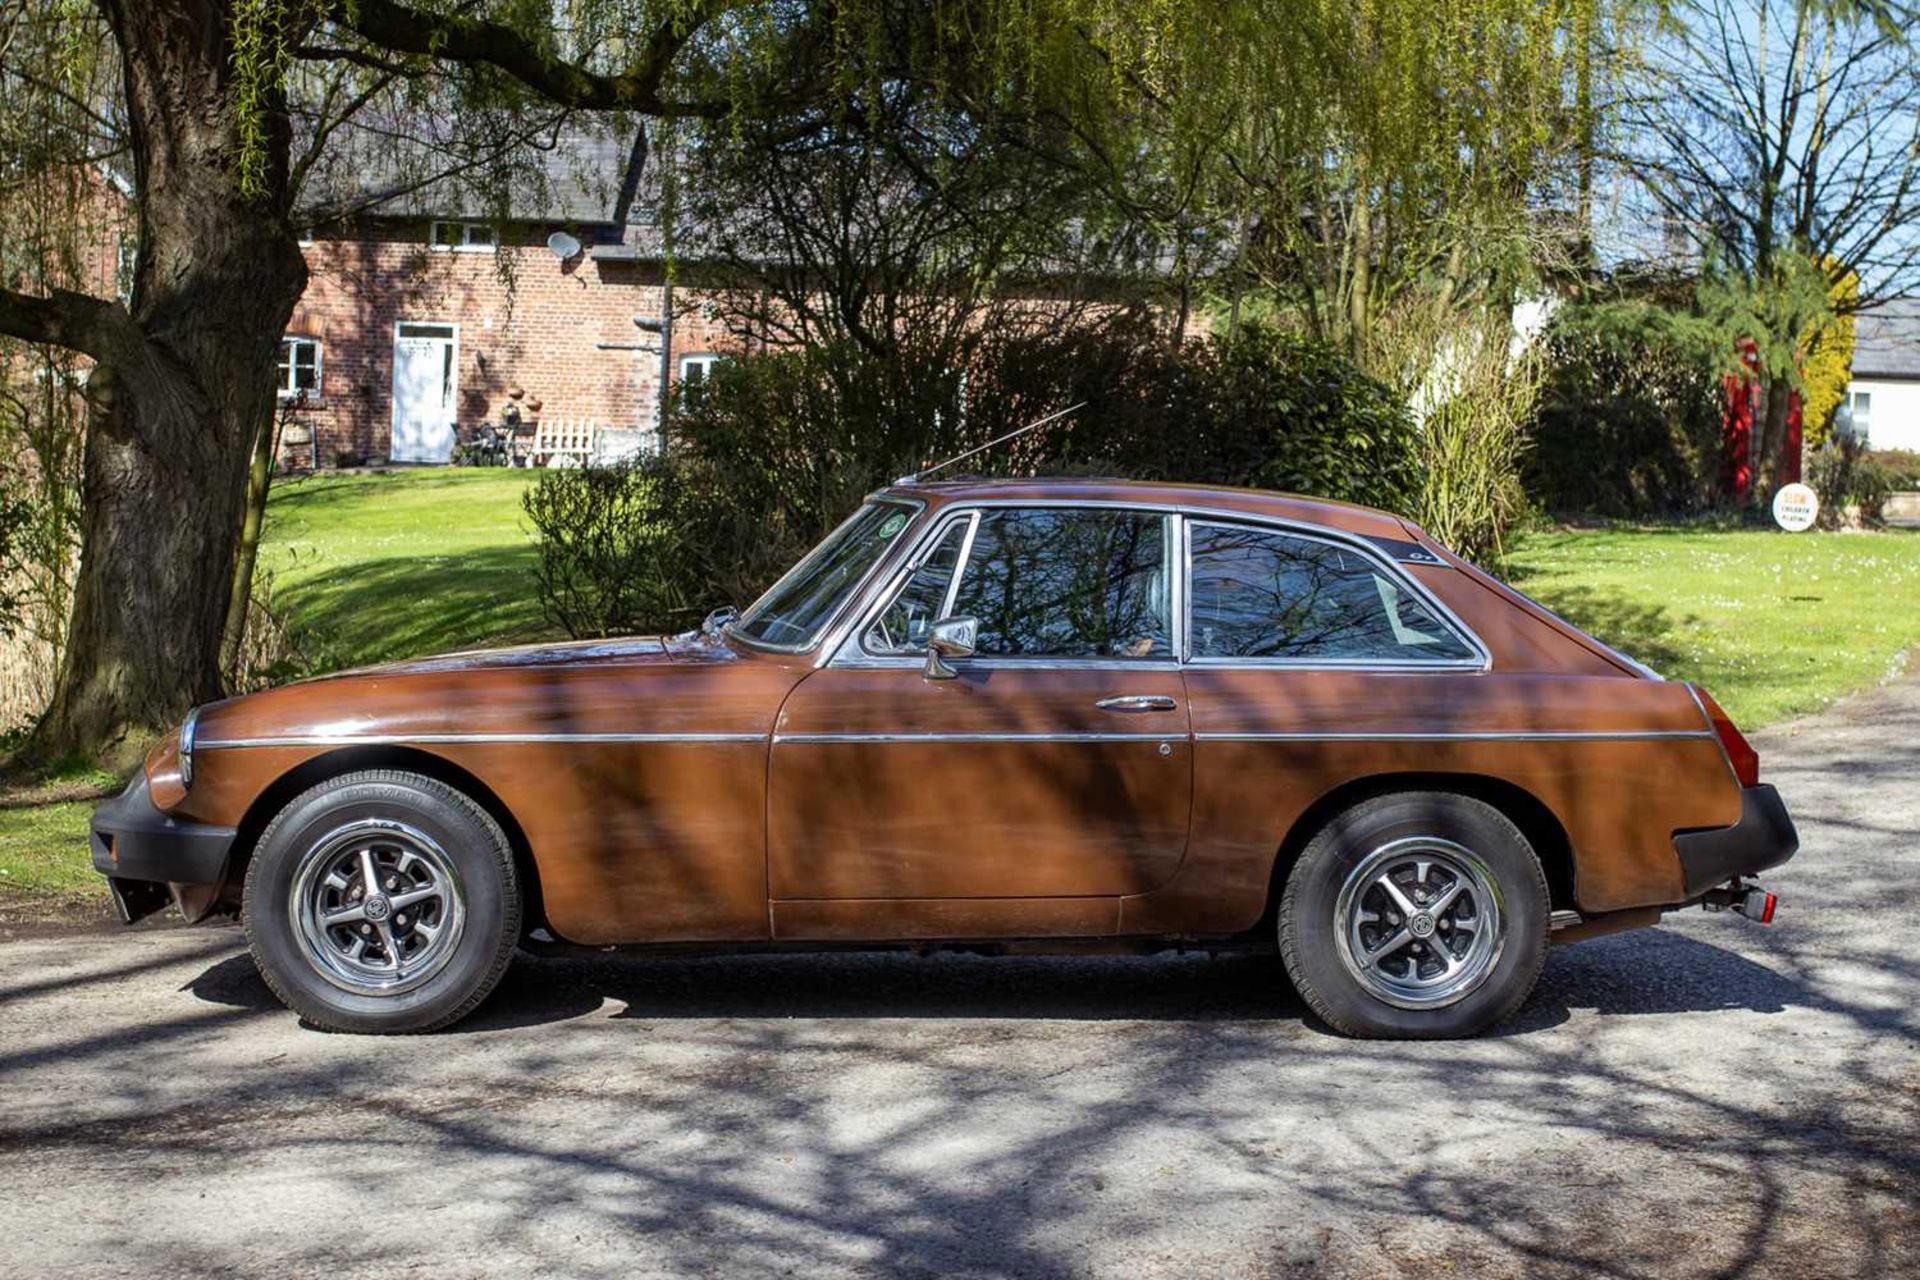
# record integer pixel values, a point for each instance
(525, 319)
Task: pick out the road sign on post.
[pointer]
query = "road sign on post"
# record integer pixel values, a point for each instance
(1795, 507)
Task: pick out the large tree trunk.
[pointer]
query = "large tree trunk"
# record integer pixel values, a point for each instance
(1770, 443)
(178, 393)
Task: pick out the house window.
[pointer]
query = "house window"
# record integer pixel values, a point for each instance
(464, 237)
(699, 367)
(1862, 411)
(299, 368)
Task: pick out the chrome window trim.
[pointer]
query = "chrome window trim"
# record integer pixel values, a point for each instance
(448, 739)
(860, 661)
(861, 606)
(959, 564)
(1481, 661)
(1490, 735)
(917, 509)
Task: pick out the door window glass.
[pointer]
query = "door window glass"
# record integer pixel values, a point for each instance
(1069, 583)
(905, 624)
(1257, 593)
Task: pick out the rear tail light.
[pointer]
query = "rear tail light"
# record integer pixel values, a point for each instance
(1740, 753)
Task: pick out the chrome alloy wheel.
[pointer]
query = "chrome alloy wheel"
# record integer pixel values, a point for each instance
(1419, 922)
(377, 907)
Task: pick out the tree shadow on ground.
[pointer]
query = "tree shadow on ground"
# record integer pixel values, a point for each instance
(773, 1113)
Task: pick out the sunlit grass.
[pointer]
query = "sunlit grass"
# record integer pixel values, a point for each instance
(1773, 624)
(45, 867)
(375, 567)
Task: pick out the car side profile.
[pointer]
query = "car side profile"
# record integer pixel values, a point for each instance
(1037, 714)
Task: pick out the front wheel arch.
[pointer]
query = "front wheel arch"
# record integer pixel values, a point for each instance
(1536, 821)
(315, 770)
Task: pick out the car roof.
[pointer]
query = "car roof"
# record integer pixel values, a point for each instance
(1345, 516)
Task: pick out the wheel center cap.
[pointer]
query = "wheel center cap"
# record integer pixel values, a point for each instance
(378, 908)
(1420, 924)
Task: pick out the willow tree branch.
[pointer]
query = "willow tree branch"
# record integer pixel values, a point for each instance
(76, 321)
(460, 37)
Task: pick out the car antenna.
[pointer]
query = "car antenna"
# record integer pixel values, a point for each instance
(918, 476)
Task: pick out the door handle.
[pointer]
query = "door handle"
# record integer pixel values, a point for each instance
(1137, 702)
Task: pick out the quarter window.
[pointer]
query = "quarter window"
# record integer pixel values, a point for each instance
(1257, 593)
(1068, 583)
(904, 626)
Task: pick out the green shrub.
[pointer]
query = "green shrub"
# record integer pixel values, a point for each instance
(600, 549)
(772, 450)
(1843, 475)
(1626, 426)
(1902, 466)
(1263, 409)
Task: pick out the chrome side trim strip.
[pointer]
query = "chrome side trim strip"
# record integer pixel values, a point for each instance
(447, 739)
(1516, 735)
(817, 739)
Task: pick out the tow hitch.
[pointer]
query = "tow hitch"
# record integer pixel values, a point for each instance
(1749, 900)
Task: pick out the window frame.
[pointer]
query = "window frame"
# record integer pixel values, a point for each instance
(861, 656)
(465, 243)
(843, 642)
(283, 392)
(923, 550)
(705, 361)
(1478, 661)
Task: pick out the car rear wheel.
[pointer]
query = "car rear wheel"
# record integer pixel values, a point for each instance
(1416, 915)
(382, 901)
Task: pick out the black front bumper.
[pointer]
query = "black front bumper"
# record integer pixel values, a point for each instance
(1764, 837)
(141, 851)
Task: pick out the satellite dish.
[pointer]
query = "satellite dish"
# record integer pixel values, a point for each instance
(563, 246)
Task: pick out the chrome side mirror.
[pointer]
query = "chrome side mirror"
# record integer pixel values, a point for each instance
(950, 638)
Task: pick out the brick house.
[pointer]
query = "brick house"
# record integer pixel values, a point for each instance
(428, 313)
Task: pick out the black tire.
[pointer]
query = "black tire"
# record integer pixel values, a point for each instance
(479, 866)
(1315, 943)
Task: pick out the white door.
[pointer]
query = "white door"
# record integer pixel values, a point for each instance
(426, 367)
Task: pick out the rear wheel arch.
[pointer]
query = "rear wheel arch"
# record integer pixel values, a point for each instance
(334, 764)
(1542, 829)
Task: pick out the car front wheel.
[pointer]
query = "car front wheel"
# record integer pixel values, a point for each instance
(382, 901)
(1415, 915)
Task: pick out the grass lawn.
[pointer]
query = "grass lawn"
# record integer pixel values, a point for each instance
(45, 869)
(373, 567)
(1772, 624)
(367, 568)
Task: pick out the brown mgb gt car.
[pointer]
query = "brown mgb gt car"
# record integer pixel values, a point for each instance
(994, 715)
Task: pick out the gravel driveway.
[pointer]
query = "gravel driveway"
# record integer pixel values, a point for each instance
(1706, 1099)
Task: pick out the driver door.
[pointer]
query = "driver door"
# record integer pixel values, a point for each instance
(1051, 776)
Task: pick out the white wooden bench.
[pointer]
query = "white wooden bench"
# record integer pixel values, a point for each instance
(571, 442)
(561, 442)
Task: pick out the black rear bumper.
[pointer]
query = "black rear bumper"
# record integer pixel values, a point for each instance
(1764, 837)
(141, 851)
